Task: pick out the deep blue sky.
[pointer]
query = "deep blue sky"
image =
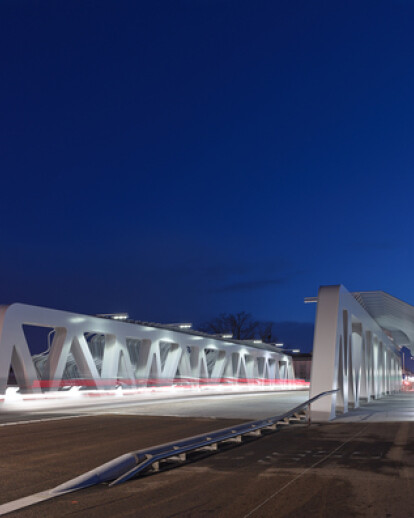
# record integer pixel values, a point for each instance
(179, 159)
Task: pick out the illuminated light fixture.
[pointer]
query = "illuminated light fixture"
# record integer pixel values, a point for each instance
(77, 320)
(114, 316)
(311, 300)
(292, 350)
(183, 325)
(257, 341)
(279, 345)
(228, 335)
(12, 391)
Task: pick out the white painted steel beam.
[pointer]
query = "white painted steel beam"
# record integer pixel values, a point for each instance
(163, 354)
(352, 353)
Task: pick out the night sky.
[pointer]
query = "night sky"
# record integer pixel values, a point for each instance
(180, 159)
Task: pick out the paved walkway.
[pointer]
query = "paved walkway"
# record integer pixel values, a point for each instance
(394, 408)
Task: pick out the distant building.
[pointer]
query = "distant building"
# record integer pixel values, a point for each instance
(302, 365)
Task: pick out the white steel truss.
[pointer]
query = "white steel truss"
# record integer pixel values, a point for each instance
(135, 353)
(352, 353)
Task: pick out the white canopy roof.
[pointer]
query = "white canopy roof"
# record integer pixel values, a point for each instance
(395, 316)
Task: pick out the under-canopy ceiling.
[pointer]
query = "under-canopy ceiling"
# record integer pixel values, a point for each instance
(393, 315)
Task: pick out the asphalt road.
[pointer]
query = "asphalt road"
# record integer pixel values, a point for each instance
(247, 405)
(339, 469)
(352, 467)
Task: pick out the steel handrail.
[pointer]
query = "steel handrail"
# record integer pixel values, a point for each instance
(150, 456)
(129, 465)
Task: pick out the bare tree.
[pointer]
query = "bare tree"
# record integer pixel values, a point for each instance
(265, 331)
(242, 326)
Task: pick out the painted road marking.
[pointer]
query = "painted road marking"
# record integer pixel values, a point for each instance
(302, 473)
(45, 419)
(25, 502)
